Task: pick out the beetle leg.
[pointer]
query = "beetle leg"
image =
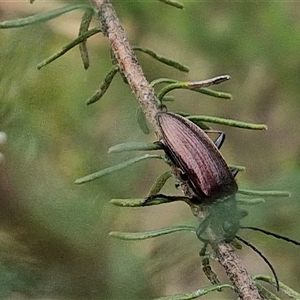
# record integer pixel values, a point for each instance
(234, 172)
(220, 140)
(208, 271)
(202, 228)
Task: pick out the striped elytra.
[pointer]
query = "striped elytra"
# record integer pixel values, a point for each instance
(194, 153)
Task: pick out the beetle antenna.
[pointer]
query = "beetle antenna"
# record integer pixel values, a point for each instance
(263, 257)
(275, 235)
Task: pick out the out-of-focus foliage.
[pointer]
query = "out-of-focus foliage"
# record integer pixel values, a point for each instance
(54, 235)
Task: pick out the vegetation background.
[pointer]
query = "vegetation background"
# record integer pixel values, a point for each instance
(54, 235)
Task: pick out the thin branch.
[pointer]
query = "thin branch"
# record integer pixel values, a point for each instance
(236, 272)
(127, 60)
(143, 91)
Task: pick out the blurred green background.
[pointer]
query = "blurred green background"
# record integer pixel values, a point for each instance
(54, 234)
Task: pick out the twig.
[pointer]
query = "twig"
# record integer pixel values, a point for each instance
(131, 69)
(127, 60)
(236, 272)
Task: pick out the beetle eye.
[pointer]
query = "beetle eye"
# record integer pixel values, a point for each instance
(230, 228)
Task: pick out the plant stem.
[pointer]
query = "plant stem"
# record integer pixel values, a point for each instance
(236, 272)
(127, 60)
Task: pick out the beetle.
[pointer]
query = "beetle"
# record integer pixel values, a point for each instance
(197, 157)
(203, 174)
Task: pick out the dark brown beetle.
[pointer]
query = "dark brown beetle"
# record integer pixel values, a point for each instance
(204, 176)
(194, 153)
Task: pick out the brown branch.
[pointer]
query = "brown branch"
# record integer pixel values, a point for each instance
(127, 60)
(131, 69)
(236, 272)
